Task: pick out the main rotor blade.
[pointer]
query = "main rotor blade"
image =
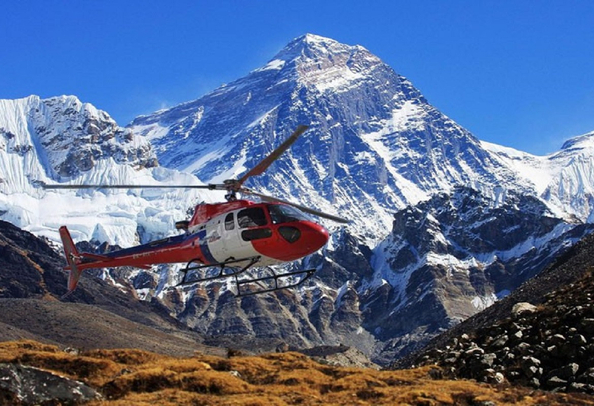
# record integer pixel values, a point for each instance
(89, 186)
(273, 156)
(300, 207)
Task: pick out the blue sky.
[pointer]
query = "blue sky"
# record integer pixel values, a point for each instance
(518, 73)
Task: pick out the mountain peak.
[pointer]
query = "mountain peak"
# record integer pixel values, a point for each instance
(311, 46)
(324, 63)
(314, 40)
(580, 141)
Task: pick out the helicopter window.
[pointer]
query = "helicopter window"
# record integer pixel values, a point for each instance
(281, 213)
(229, 222)
(256, 234)
(251, 217)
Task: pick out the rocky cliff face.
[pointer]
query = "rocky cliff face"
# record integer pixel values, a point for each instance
(541, 335)
(30, 267)
(68, 137)
(454, 255)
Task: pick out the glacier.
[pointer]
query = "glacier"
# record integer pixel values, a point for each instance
(61, 140)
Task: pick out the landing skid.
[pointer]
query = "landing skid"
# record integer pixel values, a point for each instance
(270, 283)
(247, 286)
(221, 274)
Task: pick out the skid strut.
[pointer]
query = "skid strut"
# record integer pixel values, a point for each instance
(220, 274)
(270, 283)
(247, 286)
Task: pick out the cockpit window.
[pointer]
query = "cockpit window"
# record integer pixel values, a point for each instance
(282, 213)
(252, 217)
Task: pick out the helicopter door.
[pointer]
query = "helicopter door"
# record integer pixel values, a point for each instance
(253, 224)
(231, 242)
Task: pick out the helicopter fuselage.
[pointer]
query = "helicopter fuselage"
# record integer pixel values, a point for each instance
(221, 233)
(237, 234)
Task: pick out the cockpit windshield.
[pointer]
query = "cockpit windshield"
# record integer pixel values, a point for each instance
(282, 213)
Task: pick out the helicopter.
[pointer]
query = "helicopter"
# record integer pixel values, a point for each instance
(221, 240)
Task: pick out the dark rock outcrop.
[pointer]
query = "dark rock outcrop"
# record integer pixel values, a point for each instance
(27, 386)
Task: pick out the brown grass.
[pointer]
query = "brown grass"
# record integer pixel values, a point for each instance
(133, 377)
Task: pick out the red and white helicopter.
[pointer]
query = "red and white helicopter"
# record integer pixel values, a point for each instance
(228, 238)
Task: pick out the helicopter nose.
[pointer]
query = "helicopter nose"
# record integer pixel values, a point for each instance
(304, 238)
(319, 237)
(294, 240)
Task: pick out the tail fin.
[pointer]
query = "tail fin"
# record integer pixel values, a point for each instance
(72, 257)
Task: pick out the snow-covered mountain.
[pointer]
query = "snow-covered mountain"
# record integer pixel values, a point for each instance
(564, 179)
(375, 144)
(442, 223)
(377, 147)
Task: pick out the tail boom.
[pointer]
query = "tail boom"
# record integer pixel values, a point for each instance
(180, 248)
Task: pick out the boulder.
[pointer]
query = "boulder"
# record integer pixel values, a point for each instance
(23, 385)
(522, 308)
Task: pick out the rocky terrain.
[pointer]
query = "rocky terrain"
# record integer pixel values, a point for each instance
(541, 336)
(140, 378)
(546, 347)
(454, 255)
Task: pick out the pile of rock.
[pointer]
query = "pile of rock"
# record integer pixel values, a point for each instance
(547, 347)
